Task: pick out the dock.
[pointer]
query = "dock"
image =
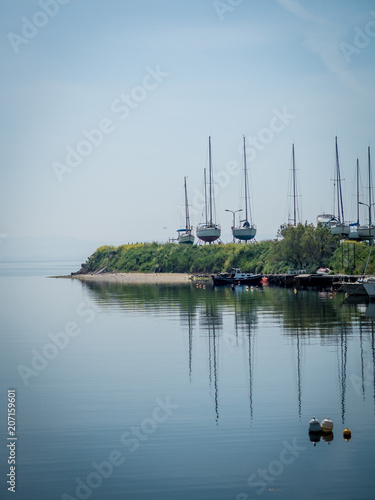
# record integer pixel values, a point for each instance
(310, 281)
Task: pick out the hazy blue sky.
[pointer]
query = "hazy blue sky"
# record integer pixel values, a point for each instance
(158, 77)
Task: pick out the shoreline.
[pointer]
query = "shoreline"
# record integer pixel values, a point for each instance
(141, 278)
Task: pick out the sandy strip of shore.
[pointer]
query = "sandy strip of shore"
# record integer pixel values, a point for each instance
(156, 278)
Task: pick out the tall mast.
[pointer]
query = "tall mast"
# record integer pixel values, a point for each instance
(294, 189)
(187, 218)
(357, 192)
(369, 188)
(205, 195)
(245, 169)
(340, 207)
(210, 177)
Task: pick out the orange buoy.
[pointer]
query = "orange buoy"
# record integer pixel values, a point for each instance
(347, 434)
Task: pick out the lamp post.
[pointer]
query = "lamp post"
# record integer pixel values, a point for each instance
(234, 219)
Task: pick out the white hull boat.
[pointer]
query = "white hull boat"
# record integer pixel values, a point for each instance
(366, 232)
(247, 230)
(209, 231)
(186, 236)
(244, 233)
(340, 229)
(337, 226)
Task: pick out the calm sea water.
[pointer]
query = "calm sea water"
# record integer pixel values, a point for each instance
(178, 392)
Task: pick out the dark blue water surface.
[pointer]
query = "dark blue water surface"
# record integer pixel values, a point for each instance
(178, 392)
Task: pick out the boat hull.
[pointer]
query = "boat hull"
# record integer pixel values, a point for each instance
(340, 229)
(186, 239)
(255, 280)
(366, 231)
(209, 233)
(244, 233)
(356, 289)
(354, 235)
(370, 289)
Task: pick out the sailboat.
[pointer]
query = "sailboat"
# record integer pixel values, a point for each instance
(337, 224)
(295, 220)
(185, 236)
(247, 230)
(368, 231)
(354, 233)
(209, 231)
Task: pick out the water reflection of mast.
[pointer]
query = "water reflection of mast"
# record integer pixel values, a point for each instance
(342, 369)
(251, 371)
(190, 325)
(362, 363)
(373, 356)
(212, 366)
(215, 374)
(212, 321)
(299, 389)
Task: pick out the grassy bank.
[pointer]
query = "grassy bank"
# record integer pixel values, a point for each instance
(302, 247)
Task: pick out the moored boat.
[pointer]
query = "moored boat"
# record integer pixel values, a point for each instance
(369, 286)
(237, 277)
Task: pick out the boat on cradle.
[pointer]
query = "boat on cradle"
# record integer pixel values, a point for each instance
(186, 236)
(337, 225)
(367, 232)
(354, 227)
(294, 215)
(247, 230)
(236, 277)
(209, 231)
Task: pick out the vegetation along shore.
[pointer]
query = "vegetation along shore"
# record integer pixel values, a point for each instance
(304, 247)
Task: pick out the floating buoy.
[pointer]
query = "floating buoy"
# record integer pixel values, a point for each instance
(204, 287)
(295, 290)
(247, 288)
(314, 425)
(252, 288)
(347, 434)
(197, 285)
(327, 425)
